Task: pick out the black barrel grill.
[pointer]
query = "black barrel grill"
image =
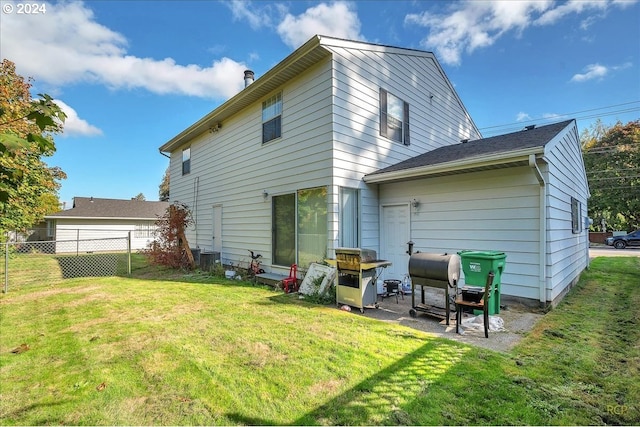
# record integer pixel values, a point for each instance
(440, 271)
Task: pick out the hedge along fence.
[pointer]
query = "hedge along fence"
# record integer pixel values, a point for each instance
(27, 264)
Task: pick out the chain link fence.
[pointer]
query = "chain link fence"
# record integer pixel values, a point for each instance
(29, 264)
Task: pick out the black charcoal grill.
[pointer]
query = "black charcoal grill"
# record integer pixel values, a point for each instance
(358, 272)
(440, 271)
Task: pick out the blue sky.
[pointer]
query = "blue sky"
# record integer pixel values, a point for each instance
(133, 74)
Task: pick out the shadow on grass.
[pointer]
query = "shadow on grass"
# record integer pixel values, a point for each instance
(385, 397)
(18, 413)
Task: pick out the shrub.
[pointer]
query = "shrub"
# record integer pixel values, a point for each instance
(170, 247)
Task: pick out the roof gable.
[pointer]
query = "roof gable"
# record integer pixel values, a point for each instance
(310, 53)
(472, 153)
(92, 207)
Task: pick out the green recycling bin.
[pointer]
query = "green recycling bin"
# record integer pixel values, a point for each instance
(477, 265)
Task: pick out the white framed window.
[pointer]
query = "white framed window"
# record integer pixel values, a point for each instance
(272, 118)
(394, 118)
(143, 230)
(576, 224)
(349, 217)
(186, 161)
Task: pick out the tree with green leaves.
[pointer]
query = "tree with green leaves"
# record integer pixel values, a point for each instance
(163, 190)
(140, 197)
(28, 186)
(612, 162)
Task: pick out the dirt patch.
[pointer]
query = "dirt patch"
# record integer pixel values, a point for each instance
(51, 291)
(326, 388)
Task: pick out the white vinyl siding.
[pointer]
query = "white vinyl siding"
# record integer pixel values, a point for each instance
(493, 210)
(500, 210)
(330, 137)
(69, 231)
(567, 251)
(232, 167)
(358, 147)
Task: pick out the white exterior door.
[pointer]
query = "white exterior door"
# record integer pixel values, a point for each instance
(217, 228)
(394, 235)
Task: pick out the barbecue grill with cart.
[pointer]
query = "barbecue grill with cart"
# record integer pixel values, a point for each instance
(358, 272)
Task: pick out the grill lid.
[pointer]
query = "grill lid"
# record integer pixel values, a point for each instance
(442, 267)
(353, 258)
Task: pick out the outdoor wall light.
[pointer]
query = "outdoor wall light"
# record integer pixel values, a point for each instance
(265, 195)
(415, 204)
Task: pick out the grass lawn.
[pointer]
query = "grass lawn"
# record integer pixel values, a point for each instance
(174, 349)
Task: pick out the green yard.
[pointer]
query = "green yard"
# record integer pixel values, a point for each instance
(174, 349)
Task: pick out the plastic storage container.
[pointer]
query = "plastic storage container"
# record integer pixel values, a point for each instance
(477, 265)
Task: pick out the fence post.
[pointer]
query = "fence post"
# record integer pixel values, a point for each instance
(129, 254)
(78, 242)
(6, 266)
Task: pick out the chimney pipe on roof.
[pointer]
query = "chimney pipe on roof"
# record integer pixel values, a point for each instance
(248, 77)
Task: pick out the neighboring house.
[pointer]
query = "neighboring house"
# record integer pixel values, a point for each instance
(303, 161)
(92, 218)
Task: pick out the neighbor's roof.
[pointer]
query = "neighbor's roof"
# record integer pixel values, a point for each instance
(512, 149)
(307, 55)
(92, 207)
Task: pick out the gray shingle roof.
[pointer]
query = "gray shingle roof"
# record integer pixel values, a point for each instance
(92, 207)
(480, 148)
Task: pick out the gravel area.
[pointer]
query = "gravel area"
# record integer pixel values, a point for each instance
(517, 320)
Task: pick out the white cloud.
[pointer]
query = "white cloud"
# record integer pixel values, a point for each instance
(67, 45)
(553, 116)
(470, 25)
(243, 10)
(591, 71)
(522, 116)
(74, 125)
(338, 19)
(553, 15)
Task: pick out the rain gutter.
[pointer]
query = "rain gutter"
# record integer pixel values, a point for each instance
(491, 160)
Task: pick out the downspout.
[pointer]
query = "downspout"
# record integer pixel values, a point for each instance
(196, 188)
(542, 238)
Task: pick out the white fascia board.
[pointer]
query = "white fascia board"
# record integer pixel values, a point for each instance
(458, 165)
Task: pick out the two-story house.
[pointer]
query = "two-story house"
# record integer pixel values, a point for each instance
(327, 149)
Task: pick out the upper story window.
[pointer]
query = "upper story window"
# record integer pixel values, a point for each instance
(394, 117)
(272, 118)
(186, 160)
